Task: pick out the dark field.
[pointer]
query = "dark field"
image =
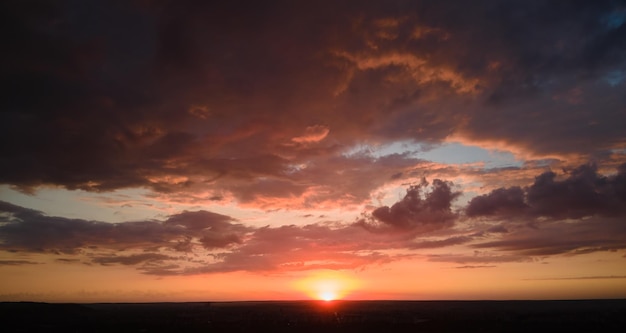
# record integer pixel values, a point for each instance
(316, 316)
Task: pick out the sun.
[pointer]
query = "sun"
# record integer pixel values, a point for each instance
(327, 285)
(327, 296)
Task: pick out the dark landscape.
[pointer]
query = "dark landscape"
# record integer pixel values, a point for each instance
(319, 316)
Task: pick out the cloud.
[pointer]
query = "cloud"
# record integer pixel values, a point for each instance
(478, 257)
(201, 220)
(157, 108)
(307, 247)
(31, 231)
(582, 193)
(315, 106)
(428, 244)
(16, 262)
(204, 242)
(503, 200)
(173, 245)
(419, 70)
(561, 237)
(312, 134)
(414, 212)
(214, 230)
(597, 277)
(131, 259)
(501, 226)
(575, 213)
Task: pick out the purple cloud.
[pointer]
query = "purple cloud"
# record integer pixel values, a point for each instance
(582, 193)
(431, 212)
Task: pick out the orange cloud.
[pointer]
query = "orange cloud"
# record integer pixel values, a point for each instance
(314, 133)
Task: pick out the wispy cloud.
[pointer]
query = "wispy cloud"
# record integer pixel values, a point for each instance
(16, 262)
(580, 278)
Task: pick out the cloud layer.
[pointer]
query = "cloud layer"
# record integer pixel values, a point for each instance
(582, 193)
(264, 102)
(505, 225)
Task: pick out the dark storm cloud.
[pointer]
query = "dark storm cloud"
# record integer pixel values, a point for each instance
(577, 213)
(547, 65)
(184, 96)
(413, 212)
(502, 200)
(562, 237)
(584, 192)
(31, 231)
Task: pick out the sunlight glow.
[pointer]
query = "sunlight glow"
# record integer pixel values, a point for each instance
(327, 285)
(327, 296)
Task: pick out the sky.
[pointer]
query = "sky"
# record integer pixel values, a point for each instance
(284, 150)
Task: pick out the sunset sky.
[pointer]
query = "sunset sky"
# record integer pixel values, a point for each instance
(273, 150)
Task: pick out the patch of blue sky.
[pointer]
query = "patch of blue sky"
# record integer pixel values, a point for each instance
(447, 153)
(457, 153)
(117, 206)
(397, 147)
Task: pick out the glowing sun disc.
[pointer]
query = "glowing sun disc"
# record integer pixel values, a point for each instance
(327, 296)
(327, 285)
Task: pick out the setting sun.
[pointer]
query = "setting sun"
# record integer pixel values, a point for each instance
(327, 296)
(327, 285)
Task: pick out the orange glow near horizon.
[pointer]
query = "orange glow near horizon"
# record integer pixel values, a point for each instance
(327, 285)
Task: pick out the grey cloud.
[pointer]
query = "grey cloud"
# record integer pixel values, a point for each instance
(88, 107)
(498, 229)
(68, 260)
(597, 277)
(502, 200)
(130, 259)
(423, 213)
(413, 212)
(518, 233)
(578, 213)
(200, 220)
(429, 244)
(17, 262)
(314, 246)
(562, 238)
(584, 192)
(479, 257)
(27, 230)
